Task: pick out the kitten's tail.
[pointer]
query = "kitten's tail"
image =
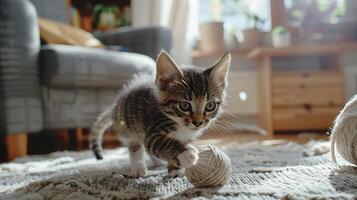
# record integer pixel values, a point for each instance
(104, 121)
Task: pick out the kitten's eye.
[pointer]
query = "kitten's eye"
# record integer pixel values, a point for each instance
(185, 106)
(210, 106)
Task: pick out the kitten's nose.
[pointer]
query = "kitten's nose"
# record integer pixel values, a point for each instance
(197, 123)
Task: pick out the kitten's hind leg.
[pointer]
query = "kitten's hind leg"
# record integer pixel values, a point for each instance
(137, 158)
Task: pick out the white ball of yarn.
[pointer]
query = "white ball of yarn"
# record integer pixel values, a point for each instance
(344, 132)
(213, 168)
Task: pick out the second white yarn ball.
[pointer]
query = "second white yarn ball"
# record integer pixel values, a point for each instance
(344, 132)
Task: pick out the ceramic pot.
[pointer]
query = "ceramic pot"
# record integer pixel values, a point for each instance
(212, 37)
(251, 38)
(281, 40)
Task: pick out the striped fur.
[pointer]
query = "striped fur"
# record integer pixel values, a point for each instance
(165, 114)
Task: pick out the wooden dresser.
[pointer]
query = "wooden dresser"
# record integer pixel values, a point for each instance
(300, 99)
(306, 100)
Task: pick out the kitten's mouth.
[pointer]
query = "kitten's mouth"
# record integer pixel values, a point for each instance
(195, 128)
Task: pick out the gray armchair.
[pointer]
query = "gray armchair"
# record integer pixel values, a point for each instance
(143, 40)
(59, 86)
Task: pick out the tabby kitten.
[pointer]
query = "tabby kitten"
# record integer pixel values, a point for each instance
(163, 116)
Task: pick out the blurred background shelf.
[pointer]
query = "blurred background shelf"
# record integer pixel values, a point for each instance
(299, 98)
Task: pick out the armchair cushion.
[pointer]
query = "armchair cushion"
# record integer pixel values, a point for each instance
(148, 41)
(53, 32)
(71, 66)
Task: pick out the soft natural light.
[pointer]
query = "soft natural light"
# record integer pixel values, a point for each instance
(234, 13)
(243, 96)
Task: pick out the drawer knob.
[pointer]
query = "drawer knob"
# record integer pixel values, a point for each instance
(307, 107)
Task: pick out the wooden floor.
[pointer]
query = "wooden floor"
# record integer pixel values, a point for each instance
(43, 143)
(232, 130)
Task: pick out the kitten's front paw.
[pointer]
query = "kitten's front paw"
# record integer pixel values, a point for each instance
(188, 157)
(139, 170)
(177, 173)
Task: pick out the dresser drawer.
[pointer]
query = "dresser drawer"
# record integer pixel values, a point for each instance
(306, 79)
(304, 118)
(310, 96)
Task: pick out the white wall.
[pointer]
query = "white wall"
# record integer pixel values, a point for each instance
(140, 13)
(150, 12)
(242, 92)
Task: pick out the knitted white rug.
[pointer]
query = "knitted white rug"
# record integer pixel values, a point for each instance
(289, 171)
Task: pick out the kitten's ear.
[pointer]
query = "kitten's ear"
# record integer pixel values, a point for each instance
(219, 72)
(167, 71)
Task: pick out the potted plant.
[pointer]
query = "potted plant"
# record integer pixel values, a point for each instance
(108, 17)
(252, 36)
(281, 37)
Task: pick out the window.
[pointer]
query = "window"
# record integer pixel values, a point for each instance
(328, 11)
(236, 14)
